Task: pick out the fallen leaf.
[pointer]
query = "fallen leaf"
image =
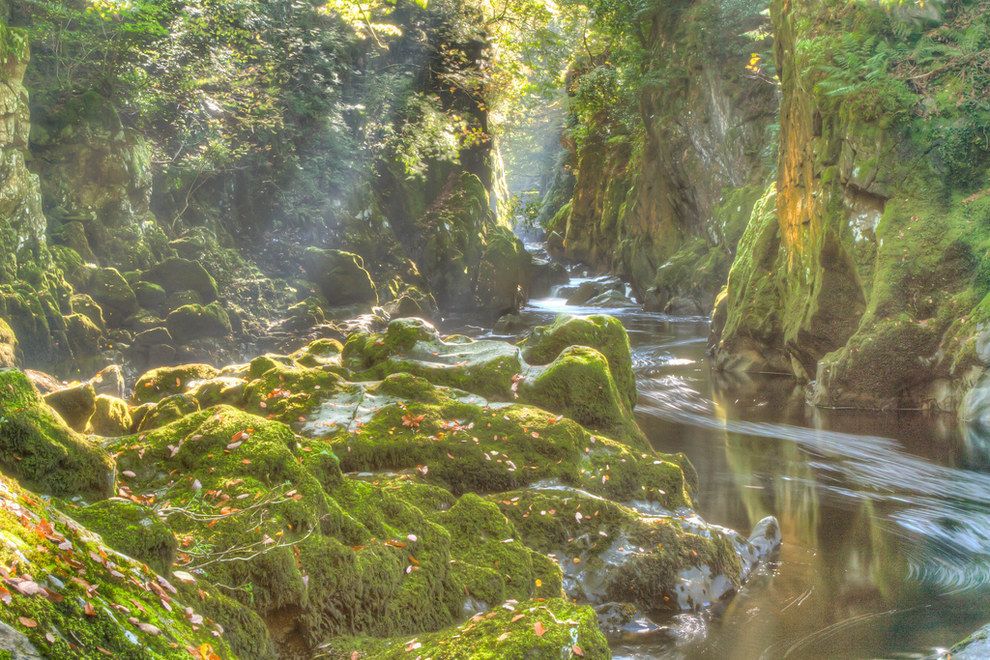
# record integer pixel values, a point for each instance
(576, 650)
(27, 622)
(538, 629)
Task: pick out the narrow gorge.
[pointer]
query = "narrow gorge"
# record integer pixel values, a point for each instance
(518, 329)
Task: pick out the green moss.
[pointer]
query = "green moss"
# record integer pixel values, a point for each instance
(109, 288)
(83, 334)
(287, 392)
(495, 635)
(469, 448)
(8, 346)
(487, 368)
(190, 322)
(84, 304)
(41, 451)
(167, 410)
(111, 416)
(319, 352)
(579, 384)
(132, 614)
(150, 295)
(131, 529)
(603, 333)
(165, 381)
(178, 274)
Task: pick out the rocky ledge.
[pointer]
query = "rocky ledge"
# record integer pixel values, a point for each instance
(401, 494)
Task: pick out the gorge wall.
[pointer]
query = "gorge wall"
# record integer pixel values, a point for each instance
(145, 227)
(668, 147)
(862, 267)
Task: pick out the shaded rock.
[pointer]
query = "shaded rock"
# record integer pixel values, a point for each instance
(109, 288)
(84, 304)
(340, 275)
(681, 306)
(75, 403)
(177, 299)
(198, 321)
(179, 274)
(150, 295)
(544, 274)
(84, 336)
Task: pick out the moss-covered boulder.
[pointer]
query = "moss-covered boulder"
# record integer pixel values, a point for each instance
(340, 275)
(543, 628)
(111, 417)
(579, 384)
(75, 403)
(69, 595)
(150, 295)
(191, 322)
(487, 368)
(83, 303)
(8, 346)
(179, 274)
(456, 441)
(165, 381)
(41, 451)
(603, 333)
(114, 295)
(132, 529)
(613, 553)
(83, 334)
(153, 415)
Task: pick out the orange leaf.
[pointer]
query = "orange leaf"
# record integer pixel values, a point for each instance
(27, 623)
(538, 629)
(577, 650)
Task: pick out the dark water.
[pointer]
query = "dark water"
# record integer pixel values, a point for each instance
(885, 516)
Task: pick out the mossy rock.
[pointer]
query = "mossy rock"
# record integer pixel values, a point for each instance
(132, 529)
(84, 336)
(150, 295)
(177, 299)
(8, 346)
(579, 384)
(191, 322)
(601, 332)
(179, 274)
(487, 368)
(84, 304)
(75, 404)
(464, 446)
(550, 628)
(112, 292)
(41, 451)
(111, 418)
(319, 353)
(166, 411)
(340, 275)
(287, 391)
(610, 552)
(73, 596)
(165, 381)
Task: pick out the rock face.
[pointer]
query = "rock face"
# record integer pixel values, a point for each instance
(662, 193)
(862, 266)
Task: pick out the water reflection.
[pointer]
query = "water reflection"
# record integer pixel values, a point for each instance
(884, 515)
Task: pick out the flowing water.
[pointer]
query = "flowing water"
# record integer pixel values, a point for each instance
(885, 516)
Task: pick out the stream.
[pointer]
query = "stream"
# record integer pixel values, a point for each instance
(884, 515)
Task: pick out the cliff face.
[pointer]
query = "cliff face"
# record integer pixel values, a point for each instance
(864, 268)
(662, 197)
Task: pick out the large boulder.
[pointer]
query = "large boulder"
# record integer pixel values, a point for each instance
(340, 275)
(109, 288)
(178, 274)
(75, 403)
(39, 449)
(191, 322)
(111, 417)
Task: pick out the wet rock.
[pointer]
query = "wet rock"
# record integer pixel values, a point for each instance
(191, 322)
(340, 275)
(544, 274)
(17, 644)
(178, 274)
(974, 647)
(611, 299)
(681, 306)
(75, 403)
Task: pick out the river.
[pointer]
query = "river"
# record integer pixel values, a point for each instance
(885, 516)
